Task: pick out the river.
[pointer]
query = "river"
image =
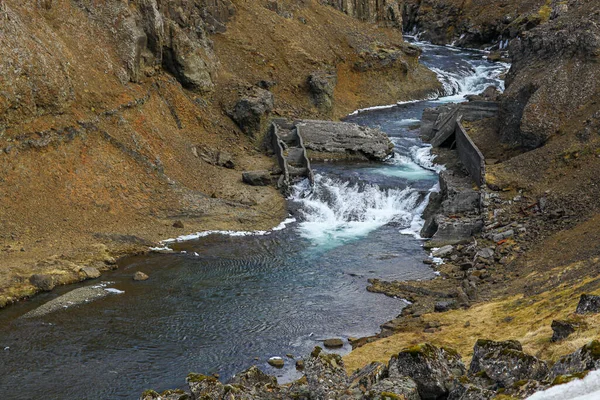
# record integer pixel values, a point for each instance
(222, 302)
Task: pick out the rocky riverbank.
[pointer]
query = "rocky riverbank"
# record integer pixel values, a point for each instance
(105, 153)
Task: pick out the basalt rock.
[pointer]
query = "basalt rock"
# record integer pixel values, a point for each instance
(505, 362)
(588, 304)
(252, 111)
(433, 369)
(586, 358)
(540, 86)
(321, 85)
(561, 330)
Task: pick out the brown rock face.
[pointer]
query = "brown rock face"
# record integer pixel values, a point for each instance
(386, 11)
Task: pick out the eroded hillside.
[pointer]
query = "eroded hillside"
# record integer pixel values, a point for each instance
(115, 118)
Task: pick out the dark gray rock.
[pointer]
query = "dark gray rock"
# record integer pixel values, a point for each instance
(321, 86)
(466, 391)
(252, 111)
(452, 231)
(344, 139)
(43, 282)
(588, 304)
(443, 306)
(458, 194)
(505, 362)
(586, 358)
(561, 329)
(259, 178)
(397, 388)
(433, 369)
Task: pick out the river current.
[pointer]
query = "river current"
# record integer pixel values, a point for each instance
(221, 302)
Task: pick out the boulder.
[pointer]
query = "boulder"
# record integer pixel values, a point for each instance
(90, 272)
(443, 306)
(321, 85)
(345, 140)
(140, 276)
(333, 343)
(586, 358)
(276, 362)
(588, 304)
(561, 329)
(505, 363)
(259, 178)
(252, 111)
(43, 282)
(433, 369)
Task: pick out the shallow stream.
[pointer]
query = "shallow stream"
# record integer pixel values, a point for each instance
(221, 302)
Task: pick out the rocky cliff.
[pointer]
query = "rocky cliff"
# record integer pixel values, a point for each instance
(476, 23)
(384, 11)
(119, 119)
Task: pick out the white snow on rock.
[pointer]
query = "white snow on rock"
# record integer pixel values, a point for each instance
(587, 388)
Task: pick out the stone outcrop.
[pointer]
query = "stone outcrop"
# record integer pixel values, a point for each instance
(384, 11)
(470, 24)
(252, 111)
(321, 85)
(505, 363)
(340, 140)
(586, 358)
(433, 369)
(541, 88)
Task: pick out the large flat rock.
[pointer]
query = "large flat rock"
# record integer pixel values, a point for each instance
(345, 139)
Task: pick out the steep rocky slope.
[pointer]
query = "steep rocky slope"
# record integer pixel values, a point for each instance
(472, 23)
(116, 118)
(543, 158)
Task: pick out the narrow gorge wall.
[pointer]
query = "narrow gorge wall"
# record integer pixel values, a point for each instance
(384, 11)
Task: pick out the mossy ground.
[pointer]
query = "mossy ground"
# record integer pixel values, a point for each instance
(530, 324)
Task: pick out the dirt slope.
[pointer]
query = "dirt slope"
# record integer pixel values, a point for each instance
(107, 108)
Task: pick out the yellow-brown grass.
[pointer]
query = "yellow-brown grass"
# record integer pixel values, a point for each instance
(526, 319)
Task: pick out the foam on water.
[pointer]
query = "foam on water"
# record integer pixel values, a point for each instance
(335, 211)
